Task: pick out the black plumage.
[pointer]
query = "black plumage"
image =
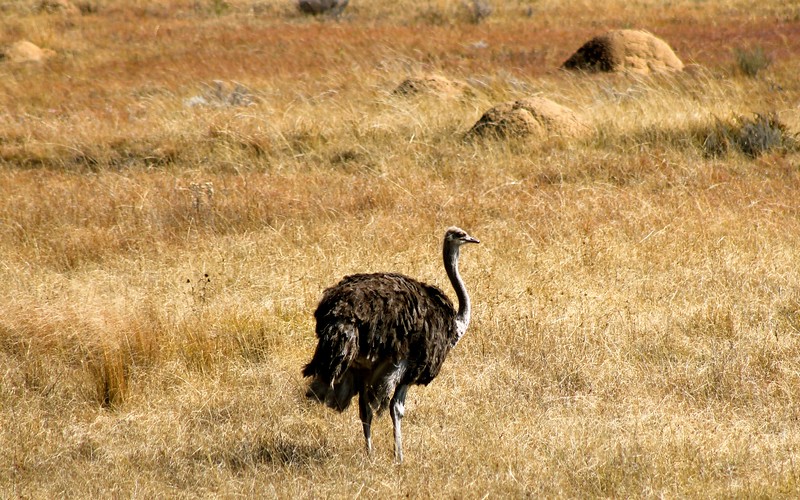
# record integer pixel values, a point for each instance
(380, 333)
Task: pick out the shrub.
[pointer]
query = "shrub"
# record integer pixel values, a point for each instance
(750, 135)
(762, 133)
(477, 10)
(316, 7)
(750, 62)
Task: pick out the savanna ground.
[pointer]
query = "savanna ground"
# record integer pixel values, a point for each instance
(636, 323)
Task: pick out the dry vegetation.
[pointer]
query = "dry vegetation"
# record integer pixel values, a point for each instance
(164, 240)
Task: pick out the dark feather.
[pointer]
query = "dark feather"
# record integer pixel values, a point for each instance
(368, 323)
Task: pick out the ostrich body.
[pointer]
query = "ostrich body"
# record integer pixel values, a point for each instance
(381, 333)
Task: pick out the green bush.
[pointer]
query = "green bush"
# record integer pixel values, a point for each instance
(751, 61)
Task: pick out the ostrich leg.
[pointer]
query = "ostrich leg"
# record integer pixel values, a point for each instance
(365, 412)
(398, 410)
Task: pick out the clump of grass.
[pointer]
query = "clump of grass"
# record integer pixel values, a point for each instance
(718, 139)
(219, 7)
(763, 133)
(751, 61)
(316, 7)
(216, 8)
(88, 7)
(110, 370)
(219, 93)
(476, 11)
(432, 16)
(202, 213)
(753, 136)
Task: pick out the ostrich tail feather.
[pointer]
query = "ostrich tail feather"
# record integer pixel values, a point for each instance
(336, 396)
(332, 383)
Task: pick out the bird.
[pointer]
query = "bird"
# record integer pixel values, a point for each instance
(379, 334)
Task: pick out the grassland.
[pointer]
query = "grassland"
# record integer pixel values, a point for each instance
(636, 324)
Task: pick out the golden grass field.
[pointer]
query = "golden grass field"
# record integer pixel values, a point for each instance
(636, 296)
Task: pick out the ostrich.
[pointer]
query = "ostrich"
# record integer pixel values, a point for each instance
(381, 333)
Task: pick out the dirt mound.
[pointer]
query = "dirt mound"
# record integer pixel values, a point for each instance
(24, 51)
(534, 116)
(431, 84)
(625, 50)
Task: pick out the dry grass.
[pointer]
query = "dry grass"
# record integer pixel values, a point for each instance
(636, 330)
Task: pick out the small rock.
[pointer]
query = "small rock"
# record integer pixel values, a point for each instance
(24, 52)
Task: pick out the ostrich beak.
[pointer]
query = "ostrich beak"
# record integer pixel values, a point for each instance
(470, 239)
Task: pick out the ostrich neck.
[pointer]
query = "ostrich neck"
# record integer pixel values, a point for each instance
(451, 266)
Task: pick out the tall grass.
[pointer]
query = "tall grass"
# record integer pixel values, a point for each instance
(636, 295)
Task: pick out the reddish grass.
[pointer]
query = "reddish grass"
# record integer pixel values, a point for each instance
(112, 54)
(636, 295)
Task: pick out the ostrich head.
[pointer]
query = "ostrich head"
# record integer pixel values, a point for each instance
(455, 237)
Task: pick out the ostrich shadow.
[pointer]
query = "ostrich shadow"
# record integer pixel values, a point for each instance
(280, 451)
